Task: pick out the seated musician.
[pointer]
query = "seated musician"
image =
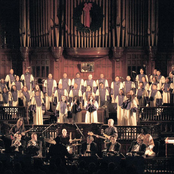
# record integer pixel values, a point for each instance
(137, 148)
(32, 146)
(111, 131)
(19, 128)
(89, 148)
(65, 139)
(113, 148)
(16, 145)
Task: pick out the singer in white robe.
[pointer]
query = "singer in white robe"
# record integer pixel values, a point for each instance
(37, 108)
(91, 110)
(50, 86)
(10, 78)
(166, 88)
(62, 111)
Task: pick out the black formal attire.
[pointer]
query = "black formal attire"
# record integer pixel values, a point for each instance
(93, 148)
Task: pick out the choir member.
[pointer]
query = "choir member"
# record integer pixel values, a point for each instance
(79, 81)
(154, 82)
(128, 85)
(50, 86)
(89, 148)
(120, 112)
(75, 92)
(37, 88)
(62, 110)
(115, 88)
(102, 95)
(28, 80)
(90, 82)
(6, 97)
(37, 108)
(153, 75)
(2, 86)
(160, 79)
(15, 95)
(76, 110)
(103, 80)
(155, 97)
(18, 84)
(86, 94)
(130, 112)
(91, 106)
(139, 76)
(10, 78)
(145, 84)
(142, 95)
(66, 82)
(166, 88)
(26, 96)
(137, 148)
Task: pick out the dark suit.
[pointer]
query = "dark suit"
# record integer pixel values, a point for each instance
(111, 131)
(93, 148)
(116, 148)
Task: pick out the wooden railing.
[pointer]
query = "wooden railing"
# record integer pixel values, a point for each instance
(159, 114)
(8, 113)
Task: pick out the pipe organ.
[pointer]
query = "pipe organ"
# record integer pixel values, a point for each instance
(124, 23)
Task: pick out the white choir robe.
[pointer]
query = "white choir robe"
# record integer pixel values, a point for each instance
(24, 99)
(31, 81)
(158, 87)
(157, 96)
(166, 94)
(151, 77)
(9, 99)
(38, 115)
(98, 95)
(124, 87)
(81, 83)
(105, 83)
(49, 99)
(130, 118)
(69, 85)
(65, 93)
(93, 85)
(62, 116)
(141, 102)
(91, 117)
(161, 81)
(7, 79)
(120, 112)
(34, 93)
(112, 88)
(85, 98)
(15, 103)
(1, 98)
(21, 86)
(139, 76)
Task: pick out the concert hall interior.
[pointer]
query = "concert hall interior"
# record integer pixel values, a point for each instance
(87, 86)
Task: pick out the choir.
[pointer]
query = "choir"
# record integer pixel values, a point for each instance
(69, 97)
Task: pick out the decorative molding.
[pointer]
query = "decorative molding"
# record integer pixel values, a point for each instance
(118, 53)
(57, 52)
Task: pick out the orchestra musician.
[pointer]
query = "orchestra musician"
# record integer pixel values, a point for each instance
(89, 148)
(33, 146)
(65, 139)
(137, 148)
(113, 147)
